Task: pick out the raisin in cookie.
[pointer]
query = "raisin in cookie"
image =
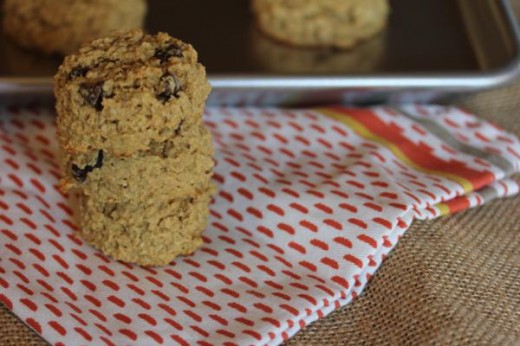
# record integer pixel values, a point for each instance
(311, 23)
(60, 26)
(134, 146)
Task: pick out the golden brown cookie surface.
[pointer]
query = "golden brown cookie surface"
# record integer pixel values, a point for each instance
(318, 23)
(134, 147)
(61, 26)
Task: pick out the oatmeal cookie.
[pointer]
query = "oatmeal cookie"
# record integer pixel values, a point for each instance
(317, 23)
(60, 26)
(124, 92)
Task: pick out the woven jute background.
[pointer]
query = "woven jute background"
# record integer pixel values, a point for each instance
(451, 281)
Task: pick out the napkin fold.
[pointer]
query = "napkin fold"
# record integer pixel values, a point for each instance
(309, 203)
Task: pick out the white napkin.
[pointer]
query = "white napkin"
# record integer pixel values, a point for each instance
(309, 204)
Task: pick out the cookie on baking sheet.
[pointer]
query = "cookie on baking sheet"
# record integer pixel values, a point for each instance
(134, 146)
(60, 26)
(317, 23)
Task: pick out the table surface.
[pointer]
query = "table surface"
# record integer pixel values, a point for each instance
(454, 280)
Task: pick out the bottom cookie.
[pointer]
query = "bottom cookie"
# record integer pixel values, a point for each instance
(150, 234)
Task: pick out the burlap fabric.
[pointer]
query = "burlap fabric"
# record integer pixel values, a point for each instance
(452, 281)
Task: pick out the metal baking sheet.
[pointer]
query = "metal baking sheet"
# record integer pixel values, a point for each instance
(430, 50)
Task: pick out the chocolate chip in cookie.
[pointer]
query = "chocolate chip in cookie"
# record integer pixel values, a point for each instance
(169, 85)
(80, 174)
(165, 53)
(93, 94)
(78, 72)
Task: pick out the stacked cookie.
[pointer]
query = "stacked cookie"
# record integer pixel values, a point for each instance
(60, 26)
(133, 143)
(317, 23)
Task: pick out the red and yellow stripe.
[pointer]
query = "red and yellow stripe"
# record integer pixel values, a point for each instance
(368, 125)
(453, 206)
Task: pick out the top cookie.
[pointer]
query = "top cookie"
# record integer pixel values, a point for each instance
(61, 26)
(127, 91)
(312, 23)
